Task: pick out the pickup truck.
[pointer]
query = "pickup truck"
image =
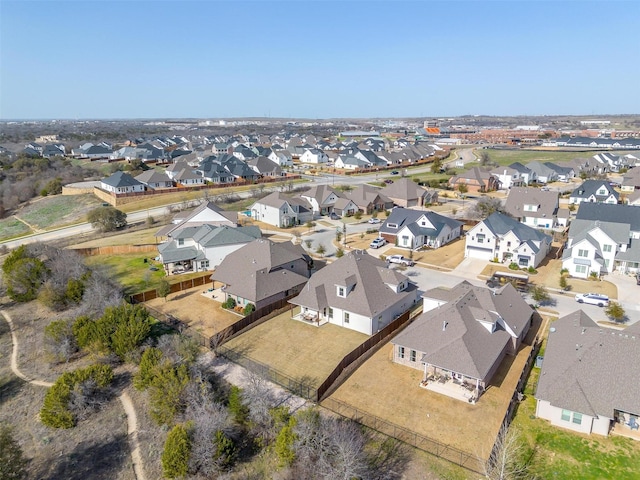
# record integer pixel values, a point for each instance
(401, 260)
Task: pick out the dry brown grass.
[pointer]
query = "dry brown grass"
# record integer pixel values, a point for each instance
(96, 448)
(139, 237)
(199, 311)
(297, 349)
(391, 392)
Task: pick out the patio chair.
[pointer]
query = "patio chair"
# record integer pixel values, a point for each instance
(633, 424)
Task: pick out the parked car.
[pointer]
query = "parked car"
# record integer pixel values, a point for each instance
(388, 182)
(401, 260)
(374, 220)
(593, 299)
(334, 216)
(395, 172)
(377, 242)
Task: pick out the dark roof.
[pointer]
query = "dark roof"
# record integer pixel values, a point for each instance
(591, 187)
(500, 224)
(612, 213)
(121, 179)
(587, 367)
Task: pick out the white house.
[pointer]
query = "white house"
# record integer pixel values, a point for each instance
(594, 191)
(357, 291)
(313, 155)
(281, 210)
(414, 228)
(504, 238)
(509, 177)
(121, 182)
(603, 238)
(533, 207)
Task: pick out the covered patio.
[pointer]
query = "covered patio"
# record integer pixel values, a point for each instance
(453, 384)
(306, 315)
(626, 425)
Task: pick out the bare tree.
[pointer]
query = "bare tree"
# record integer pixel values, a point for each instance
(100, 292)
(86, 398)
(506, 461)
(260, 399)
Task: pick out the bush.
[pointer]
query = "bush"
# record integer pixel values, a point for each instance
(229, 304)
(55, 410)
(339, 253)
(12, 463)
(357, 215)
(237, 407)
(166, 392)
(532, 270)
(249, 308)
(107, 219)
(23, 275)
(563, 283)
(514, 266)
(225, 451)
(146, 371)
(60, 340)
(175, 456)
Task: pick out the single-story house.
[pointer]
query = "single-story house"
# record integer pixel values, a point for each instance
(415, 228)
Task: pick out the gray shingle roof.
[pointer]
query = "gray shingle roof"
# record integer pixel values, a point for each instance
(501, 224)
(586, 367)
(121, 179)
(591, 187)
(612, 213)
(452, 336)
(520, 196)
(371, 294)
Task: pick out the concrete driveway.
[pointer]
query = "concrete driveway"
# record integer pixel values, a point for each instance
(470, 268)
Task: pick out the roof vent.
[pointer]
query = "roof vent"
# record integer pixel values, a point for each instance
(552, 329)
(444, 325)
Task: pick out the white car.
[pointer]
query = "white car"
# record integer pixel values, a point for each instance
(401, 260)
(593, 299)
(374, 220)
(377, 242)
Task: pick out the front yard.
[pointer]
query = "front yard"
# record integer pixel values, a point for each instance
(296, 349)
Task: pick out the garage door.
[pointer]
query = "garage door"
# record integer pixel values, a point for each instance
(482, 253)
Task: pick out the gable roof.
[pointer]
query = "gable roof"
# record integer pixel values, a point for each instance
(584, 367)
(501, 224)
(370, 277)
(405, 189)
(518, 197)
(406, 217)
(453, 337)
(153, 176)
(363, 195)
(591, 187)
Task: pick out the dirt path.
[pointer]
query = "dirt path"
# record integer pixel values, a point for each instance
(129, 410)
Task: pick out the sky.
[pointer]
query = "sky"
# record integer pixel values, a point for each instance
(317, 59)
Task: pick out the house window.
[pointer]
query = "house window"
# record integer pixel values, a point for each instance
(330, 312)
(392, 225)
(508, 244)
(566, 415)
(581, 269)
(346, 317)
(341, 292)
(181, 241)
(606, 248)
(583, 253)
(480, 238)
(400, 352)
(405, 240)
(204, 264)
(412, 355)
(606, 262)
(577, 418)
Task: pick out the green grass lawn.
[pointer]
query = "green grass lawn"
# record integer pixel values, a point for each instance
(58, 210)
(507, 157)
(559, 453)
(130, 270)
(11, 227)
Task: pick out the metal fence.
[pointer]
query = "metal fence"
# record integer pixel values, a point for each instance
(198, 281)
(421, 442)
(296, 386)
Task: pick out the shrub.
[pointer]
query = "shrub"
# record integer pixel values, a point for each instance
(12, 463)
(532, 270)
(230, 303)
(166, 392)
(593, 275)
(285, 444)
(147, 369)
(249, 308)
(60, 340)
(225, 451)
(55, 411)
(23, 275)
(175, 456)
(563, 282)
(339, 253)
(237, 407)
(357, 215)
(514, 266)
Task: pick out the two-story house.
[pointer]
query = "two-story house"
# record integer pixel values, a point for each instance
(281, 210)
(533, 207)
(594, 191)
(603, 238)
(313, 155)
(120, 183)
(508, 177)
(507, 240)
(357, 291)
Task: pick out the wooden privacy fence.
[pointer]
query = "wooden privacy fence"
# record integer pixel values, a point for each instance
(421, 442)
(203, 279)
(361, 350)
(116, 249)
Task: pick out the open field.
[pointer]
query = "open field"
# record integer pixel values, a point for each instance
(507, 157)
(130, 270)
(138, 237)
(297, 349)
(58, 210)
(96, 448)
(12, 227)
(558, 453)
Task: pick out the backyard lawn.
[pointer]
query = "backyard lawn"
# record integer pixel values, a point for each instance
(130, 270)
(297, 349)
(558, 453)
(391, 392)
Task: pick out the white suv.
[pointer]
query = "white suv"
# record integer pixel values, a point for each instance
(377, 242)
(593, 298)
